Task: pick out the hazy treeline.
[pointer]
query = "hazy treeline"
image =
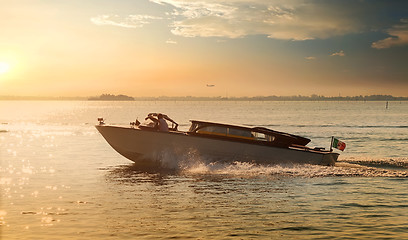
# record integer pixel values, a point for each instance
(111, 97)
(278, 98)
(314, 97)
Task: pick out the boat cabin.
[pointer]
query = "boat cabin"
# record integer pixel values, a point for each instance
(239, 133)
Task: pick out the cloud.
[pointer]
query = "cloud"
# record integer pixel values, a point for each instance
(310, 58)
(399, 36)
(340, 54)
(130, 21)
(278, 19)
(169, 41)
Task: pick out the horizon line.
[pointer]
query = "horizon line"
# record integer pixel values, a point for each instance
(373, 97)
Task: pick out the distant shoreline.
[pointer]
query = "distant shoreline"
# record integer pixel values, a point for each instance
(109, 97)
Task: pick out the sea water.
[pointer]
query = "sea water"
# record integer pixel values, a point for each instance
(59, 178)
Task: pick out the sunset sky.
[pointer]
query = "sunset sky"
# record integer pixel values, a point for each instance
(177, 47)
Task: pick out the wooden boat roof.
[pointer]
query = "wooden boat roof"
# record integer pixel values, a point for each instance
(282, 138)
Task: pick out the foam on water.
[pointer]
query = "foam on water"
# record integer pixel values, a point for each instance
(342, 169)
(394, 163)
(192, 163)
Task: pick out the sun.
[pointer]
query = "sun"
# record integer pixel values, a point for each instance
(4, 67)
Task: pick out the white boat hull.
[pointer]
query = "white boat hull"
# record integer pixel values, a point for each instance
(151, 147)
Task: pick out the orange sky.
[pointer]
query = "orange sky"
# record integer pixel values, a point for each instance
(177, 47)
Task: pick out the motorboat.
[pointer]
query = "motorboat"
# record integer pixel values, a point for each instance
(215, 142)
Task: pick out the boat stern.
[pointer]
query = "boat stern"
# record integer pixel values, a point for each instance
(329, 159)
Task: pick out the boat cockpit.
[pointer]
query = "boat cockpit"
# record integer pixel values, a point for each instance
(151, 122)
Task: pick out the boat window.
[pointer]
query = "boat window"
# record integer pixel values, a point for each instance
(270, 138)
(193, 127)
(213, 130)
(230, 132)
(239, 132)
(263, 137)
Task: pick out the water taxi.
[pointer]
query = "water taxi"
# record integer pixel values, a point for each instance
(217, 142)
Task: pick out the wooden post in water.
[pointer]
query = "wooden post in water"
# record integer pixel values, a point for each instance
(386, 105)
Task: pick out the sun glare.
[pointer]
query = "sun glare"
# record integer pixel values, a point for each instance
(4, 67)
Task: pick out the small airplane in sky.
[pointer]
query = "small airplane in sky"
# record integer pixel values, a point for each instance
(210, 85)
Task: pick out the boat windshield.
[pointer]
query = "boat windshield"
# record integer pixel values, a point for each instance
(152, 119)
(148, 123)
